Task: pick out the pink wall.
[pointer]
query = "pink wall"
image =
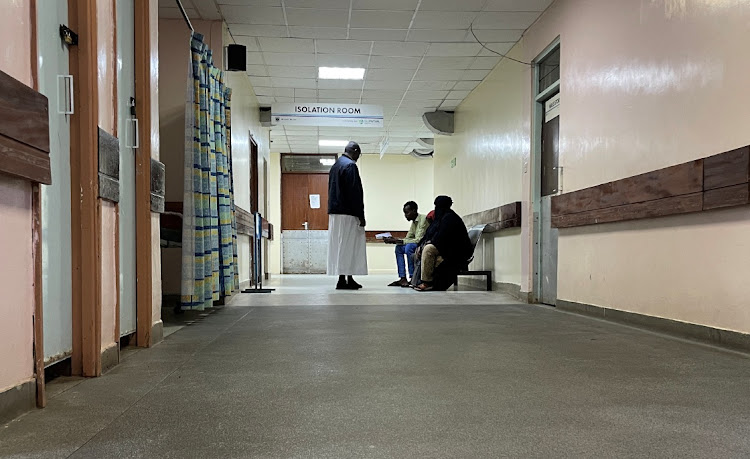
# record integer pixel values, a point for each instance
(16, 269)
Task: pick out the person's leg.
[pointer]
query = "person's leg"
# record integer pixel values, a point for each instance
(429, 258)
(409, 250)
(400, 252)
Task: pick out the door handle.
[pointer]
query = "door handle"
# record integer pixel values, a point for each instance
(306, 225)
(65, 102)
(135, 143)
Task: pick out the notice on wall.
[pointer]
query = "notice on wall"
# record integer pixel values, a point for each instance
(552, 108)
(315, 201)
(313, 114)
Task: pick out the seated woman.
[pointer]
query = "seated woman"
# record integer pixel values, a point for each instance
(447, 250)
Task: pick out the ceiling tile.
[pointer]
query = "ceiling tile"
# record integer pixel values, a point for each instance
(382, 94)
(458, 95)
(454, 49)
(300, 83)
(375, 84)
(437, 35)
(306, 93)
(174, 13)
(261, 81)
(339, 84)
(466, 85)
(387, 62)
(255, 59)
(439, 75)
(285, 100)
(390, 5)
(485, 63)
(489, 36)
(505, 20)
(316, 18)
(236, 14)
(257, 70)
(422, 95)
(339, 93)
(286, 45)
(318, 32)
(443, 20)
(257, 30)
(248, 2)
(388, 74)
(342, 60)
(265, 100)
(381, 19)
(283, 92)
(290, 59)
(343, 47)
(394, 48)
(502, 48)
(475, 75)
(207, 10)
(517, 5)
(292, 72)
(250, 43)
(377, 34)
(451, 5)
(262, 90)
(448, 63)
(318, 4)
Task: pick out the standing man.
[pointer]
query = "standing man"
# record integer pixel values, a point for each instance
(347, 249)
(407, 246)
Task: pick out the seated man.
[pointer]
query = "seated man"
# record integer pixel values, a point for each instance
(407, 246)
(448, 248)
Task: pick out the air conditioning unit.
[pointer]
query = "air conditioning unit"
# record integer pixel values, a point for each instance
(440, 122)
(422, 153)
(265, 116)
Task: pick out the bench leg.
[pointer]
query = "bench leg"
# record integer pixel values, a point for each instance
(489, 282)
(455, 285)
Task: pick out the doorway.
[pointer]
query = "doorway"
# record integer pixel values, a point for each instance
(547, 170)
(127, 129)
(304, 213)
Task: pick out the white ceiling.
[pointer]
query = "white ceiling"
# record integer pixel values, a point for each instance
(418, 54)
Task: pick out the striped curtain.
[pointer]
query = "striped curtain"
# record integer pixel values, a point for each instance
(209, 227)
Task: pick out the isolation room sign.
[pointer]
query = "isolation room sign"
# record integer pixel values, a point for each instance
(344, 115)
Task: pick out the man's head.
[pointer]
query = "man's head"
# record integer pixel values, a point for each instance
(410, 211)
(443, 202)
(353, 151)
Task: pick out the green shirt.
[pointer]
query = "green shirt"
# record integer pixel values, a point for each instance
(417, 229)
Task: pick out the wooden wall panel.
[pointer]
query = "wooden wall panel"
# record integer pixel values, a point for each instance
(713, 182)
(497, 219)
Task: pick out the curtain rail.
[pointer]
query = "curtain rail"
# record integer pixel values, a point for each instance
(184, 15)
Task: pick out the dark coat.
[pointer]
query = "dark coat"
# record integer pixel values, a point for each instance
(450, 237)
(345, 195)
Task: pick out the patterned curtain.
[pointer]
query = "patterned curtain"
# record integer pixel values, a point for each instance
(209, 227)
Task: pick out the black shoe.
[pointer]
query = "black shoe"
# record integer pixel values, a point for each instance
(353, 285)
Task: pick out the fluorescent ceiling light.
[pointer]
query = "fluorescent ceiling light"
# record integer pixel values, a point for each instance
(341, 73)
(333, 143)
(327, 161)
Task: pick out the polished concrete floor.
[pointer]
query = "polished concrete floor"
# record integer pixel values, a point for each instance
(305, 372)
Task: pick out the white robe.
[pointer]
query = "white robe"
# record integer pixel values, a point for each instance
(347, 246)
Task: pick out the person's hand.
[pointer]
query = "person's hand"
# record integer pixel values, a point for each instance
(389, 240)
(362, 221)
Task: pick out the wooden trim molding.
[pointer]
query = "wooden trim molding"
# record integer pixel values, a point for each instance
(710, 183)
(145, 75)
(86, 215)
(245, 222)
(24, 131)
(496, 219)
(370, 235)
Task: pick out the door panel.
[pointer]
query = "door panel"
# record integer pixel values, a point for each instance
(548, 237)
(294, 201)
(318, 218)
(57, 282)
(126, 133)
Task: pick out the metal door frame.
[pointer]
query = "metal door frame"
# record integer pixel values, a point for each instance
(536, 165)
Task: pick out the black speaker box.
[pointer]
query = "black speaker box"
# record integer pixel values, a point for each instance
(236, 58)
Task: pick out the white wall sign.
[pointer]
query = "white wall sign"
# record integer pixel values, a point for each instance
(315, 201)
(346, 115)
(552, 108)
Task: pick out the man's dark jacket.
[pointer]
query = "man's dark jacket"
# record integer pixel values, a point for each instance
(345, 195)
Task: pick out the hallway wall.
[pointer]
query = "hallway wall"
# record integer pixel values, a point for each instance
(16, 269)
(644, 85)
(388, 183)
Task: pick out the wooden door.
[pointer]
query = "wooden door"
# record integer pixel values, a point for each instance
(295, 201)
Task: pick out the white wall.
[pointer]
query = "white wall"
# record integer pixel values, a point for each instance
(644, 85)
(388, 183)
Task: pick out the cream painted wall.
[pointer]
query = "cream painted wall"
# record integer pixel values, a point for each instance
(644, 85)
(155, 132)
(388, 184)
(109, 291)
(16, 270)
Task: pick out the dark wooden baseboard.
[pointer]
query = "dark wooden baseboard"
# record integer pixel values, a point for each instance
(17, 401)
(700, 333)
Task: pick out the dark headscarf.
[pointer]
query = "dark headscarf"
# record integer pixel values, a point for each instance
(353, 147)
(442, 204)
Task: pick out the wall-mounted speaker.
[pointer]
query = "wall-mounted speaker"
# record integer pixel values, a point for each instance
(236, 58)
